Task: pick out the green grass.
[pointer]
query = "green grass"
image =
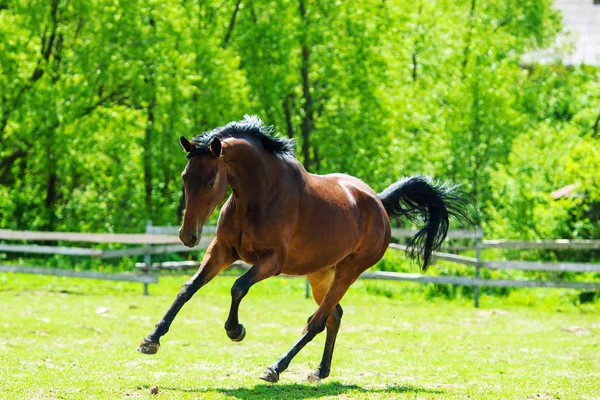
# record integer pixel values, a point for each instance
(75, 339)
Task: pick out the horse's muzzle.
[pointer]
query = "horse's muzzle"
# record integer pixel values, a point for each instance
(189, 240)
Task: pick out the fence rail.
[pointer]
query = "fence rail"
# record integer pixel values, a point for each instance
(443, 256)
(143, 278)
(560, 244)
(164, 239)
(125, 238)
(33, 249)
(542, 266)
(465, 281)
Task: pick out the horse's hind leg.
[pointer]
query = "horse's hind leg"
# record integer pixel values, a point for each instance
(333, 326)
(316, 324)
(320, 282)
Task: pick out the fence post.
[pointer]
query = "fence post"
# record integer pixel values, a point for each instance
(306, 289)
(478, 239)
(147, 256)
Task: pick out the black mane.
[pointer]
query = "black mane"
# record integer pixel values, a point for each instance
(251, 126)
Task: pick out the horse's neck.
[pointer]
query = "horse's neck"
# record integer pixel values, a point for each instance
(250, 179)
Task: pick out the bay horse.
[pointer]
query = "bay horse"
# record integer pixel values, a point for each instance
(281, 219)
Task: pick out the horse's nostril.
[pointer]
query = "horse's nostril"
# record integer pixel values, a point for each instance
(194, 239)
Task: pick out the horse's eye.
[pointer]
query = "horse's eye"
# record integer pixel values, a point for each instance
(210, 185)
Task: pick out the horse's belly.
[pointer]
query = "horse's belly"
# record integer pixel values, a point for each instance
(305, 259)
(305, 268)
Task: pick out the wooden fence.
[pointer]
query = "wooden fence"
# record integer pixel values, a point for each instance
(479, 263)
(477, 244)
(161, 240)
(149, 243)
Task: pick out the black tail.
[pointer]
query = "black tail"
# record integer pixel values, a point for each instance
(417, 198)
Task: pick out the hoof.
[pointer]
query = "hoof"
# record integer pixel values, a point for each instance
(269, 375)
(317, 376)
(148, 347)
(238, 335)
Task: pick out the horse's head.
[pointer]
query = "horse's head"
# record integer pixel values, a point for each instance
(205, 185)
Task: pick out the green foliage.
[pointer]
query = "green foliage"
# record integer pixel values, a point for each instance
(559, 149)
(95, 95)
(99, 92)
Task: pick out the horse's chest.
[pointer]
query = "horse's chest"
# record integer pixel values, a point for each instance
(249, 248)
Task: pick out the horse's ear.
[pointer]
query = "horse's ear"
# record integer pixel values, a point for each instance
(216, 147)
(187, 146)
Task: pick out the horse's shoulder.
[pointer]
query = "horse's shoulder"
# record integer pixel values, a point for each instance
(228, 225)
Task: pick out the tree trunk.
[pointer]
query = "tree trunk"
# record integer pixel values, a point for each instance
(149, 132)
(231, 24)
(308, 117)
(469, 39)
(287, 110)
(150, 80)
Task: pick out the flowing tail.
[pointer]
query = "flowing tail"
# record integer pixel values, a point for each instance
(418, 198)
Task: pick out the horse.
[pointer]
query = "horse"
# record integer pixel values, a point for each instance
(283, 220)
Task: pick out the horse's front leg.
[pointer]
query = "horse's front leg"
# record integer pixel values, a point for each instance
(217, 258)
(266, 267)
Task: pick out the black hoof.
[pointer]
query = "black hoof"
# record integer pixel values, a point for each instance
(148, 347)
(238, 335)
(269, 375)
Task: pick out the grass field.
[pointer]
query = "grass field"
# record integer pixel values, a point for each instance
(75, 339)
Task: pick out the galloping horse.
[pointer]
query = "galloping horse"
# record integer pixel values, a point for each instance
(282, 219)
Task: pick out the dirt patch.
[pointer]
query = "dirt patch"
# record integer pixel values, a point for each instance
(542, 396)
(577, 330)
(488, 313)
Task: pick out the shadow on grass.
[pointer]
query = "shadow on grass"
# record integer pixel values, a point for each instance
(307, 391)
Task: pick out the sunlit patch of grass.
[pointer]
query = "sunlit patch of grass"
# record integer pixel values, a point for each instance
(76, 339)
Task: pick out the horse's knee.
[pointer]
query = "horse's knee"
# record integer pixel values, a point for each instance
(187, 290)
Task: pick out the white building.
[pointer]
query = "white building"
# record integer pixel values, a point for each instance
(580, 41)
